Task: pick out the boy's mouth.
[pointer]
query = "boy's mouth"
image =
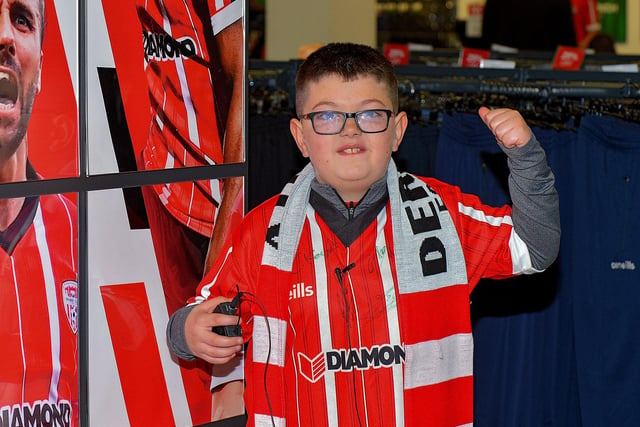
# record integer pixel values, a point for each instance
(353, 150)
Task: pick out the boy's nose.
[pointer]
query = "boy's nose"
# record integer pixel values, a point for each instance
(350, 126)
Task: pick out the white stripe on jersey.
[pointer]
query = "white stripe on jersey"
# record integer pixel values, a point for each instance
(209, 160)
(193, 189)
(194, 137)
(436, 361)
(482, 217)
(262, 420)
(392, 313)
(520, 257)
(168, 164)
(24, 361)
(52, 302)
(216, 194)
(295, 365)
(227, 16)
(269, 341)
(323, 314)
(157, 118)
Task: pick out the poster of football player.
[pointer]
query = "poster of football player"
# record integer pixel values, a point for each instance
(38, 233)
(165, 92)
(133, 378)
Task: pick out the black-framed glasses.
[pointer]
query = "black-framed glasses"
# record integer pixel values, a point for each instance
(332, 122)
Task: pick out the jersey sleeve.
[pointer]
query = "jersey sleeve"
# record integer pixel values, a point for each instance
(237, 267)
(489, 243)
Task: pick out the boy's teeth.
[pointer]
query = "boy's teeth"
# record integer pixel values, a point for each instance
(351, 150)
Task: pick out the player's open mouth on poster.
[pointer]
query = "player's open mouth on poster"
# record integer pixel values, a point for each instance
(8, 90)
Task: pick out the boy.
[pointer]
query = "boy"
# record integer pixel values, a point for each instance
(354, 282)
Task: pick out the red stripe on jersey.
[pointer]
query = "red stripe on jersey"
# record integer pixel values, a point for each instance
(485, 250)
(441, 405)
(442, 309)
(137, 355)
(485, 245)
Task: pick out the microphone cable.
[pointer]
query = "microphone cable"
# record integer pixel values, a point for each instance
(266, 365)
(339, 271)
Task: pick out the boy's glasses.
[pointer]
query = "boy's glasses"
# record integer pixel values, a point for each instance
(332, 122)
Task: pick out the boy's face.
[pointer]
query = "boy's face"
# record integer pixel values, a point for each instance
(352, 160)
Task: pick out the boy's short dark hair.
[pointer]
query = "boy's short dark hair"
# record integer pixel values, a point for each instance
(349, 61)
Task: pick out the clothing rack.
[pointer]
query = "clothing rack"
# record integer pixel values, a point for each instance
(522, 58)
(520, 83)
(551, 99)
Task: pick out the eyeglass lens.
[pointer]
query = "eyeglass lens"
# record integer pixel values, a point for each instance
(332, 122)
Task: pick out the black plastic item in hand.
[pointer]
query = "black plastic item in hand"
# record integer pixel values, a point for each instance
(230, 308)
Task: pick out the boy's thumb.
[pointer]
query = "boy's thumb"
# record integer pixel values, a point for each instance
(483, 111)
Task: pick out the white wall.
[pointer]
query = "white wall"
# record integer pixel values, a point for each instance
(632, 47)
(292, 23)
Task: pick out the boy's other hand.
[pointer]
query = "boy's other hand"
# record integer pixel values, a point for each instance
(205, 344)
(508, 126)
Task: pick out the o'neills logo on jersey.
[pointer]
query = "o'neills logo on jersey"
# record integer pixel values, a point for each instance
(344, 360)
(40, 414)
(163, 47)
(70, 301)
(623, 265)
(300, 290)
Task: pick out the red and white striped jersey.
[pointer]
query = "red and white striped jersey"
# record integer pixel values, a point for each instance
(339, 345)
(187, 120)
(39, 315)
(585, 17)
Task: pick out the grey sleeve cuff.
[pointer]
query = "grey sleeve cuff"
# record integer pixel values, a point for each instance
(175, 334)
(536, 211)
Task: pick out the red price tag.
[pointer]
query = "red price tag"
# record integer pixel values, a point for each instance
(397, 53)
(568, 58)
(470, 57)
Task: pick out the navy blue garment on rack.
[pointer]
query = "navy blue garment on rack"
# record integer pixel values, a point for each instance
(417, 152)
(524, 372)
(606, 271)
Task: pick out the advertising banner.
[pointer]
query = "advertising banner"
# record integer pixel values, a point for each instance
(165, 92)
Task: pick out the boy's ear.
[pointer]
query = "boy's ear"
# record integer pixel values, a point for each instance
(295, 126)
(401, 121)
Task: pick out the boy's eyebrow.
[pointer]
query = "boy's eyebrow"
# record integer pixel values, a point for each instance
(332, 105)
(323, 104)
